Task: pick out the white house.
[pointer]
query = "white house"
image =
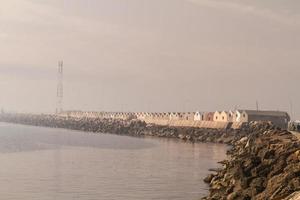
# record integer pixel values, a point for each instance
(231, 116)
(174, 116)
(240, 116)
(198, 116)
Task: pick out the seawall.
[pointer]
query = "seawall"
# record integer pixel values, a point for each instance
(128, 127)
(196, 124)
(263, 164)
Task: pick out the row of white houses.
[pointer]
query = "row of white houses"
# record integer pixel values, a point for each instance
(218, 116)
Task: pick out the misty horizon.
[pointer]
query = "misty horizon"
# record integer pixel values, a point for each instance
(156, 56)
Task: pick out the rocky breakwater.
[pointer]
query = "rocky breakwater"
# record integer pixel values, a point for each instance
(127, 127)
(264, 162)
(265, 165)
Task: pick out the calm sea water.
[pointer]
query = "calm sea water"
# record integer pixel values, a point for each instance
(49, 164)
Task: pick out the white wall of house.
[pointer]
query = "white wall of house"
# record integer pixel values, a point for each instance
(174, 116)
(198, 116)
(237, 116)
(231, 116)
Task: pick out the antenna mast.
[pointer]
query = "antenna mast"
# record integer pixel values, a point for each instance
(60, 88)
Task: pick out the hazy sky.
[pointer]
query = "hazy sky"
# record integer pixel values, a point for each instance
(150, 55)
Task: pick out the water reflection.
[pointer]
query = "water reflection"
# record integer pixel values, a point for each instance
(16, 138)
(41, 163)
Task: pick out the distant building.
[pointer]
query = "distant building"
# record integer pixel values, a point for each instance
(217, 116)
(148, 116)
(198, 116)
(240, 116)
(278, 118)
(174, 116)
(155, 116)
(208, 116)
(158, 116)
(224, 116)
(231, 116)
(188, 116)
(166, 116)
(143, 116)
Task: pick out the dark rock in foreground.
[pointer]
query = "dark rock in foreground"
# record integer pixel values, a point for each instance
(263, 166)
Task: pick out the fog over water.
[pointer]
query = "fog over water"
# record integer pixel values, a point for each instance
(150, 55)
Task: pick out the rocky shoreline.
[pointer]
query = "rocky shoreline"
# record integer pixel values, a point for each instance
(265, 165)
(264, 161)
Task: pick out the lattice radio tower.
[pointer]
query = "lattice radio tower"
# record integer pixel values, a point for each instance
(60, 88)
